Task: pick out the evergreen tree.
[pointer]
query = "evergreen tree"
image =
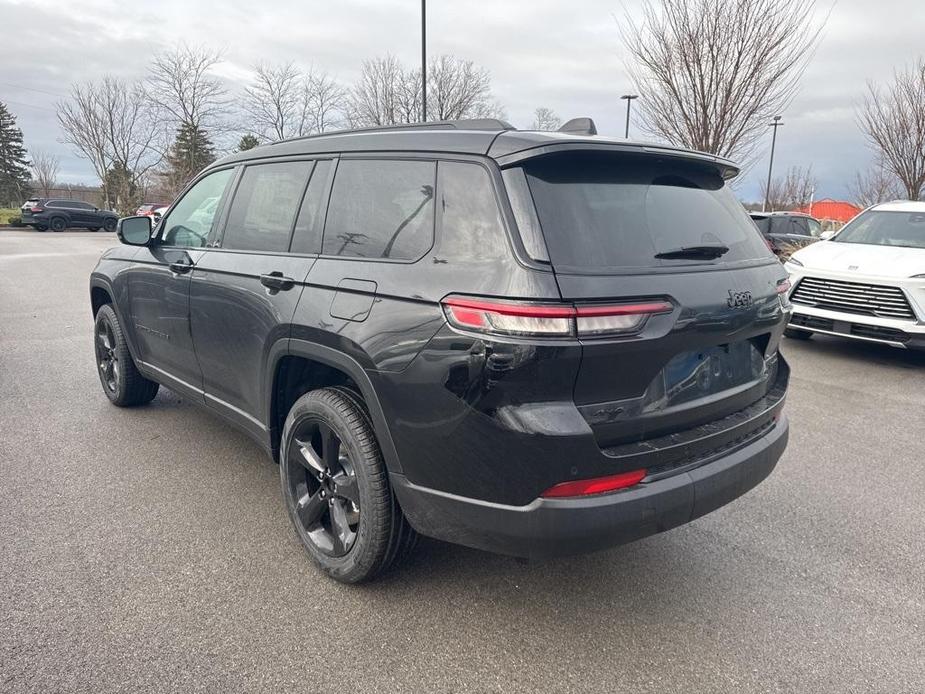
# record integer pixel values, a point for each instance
(247, 142)
(14, 167)
(191, 152)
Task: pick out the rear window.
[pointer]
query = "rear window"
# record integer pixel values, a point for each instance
(604, 213)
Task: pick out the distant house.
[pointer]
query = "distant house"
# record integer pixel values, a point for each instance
(834, 210)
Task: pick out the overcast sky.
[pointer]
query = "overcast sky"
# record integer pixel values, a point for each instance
(564, 55)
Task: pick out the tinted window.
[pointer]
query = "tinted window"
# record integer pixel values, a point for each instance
(799, 226)
(763, 224)
(381, 209)
(881, 228)
(815, 228)
(82, 205)
(470, 222)
(265, 206)
(190, 221)
(307, 237)
(604, 212)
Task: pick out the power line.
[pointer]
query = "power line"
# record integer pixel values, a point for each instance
(32, 89)
(40, 108)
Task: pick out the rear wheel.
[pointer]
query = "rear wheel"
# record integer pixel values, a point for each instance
(93, 228)
(122, 382)
(109, 224)
(58, 224)
(795, 334)
(336, 488)
(41, 227)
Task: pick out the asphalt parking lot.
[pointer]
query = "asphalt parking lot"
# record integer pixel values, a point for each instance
(148, 550)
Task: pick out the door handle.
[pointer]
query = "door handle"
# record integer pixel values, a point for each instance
(181, 268)
(276, 280)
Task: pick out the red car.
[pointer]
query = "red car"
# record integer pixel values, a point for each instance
(147, 209)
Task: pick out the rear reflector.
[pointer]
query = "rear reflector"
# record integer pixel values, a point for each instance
(598, 485)
(557, 320)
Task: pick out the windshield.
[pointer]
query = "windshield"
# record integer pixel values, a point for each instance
(882, 228)
(606, 213)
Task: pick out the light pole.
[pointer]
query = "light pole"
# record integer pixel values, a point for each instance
(629, 100)
(424, 60)
(767, 191)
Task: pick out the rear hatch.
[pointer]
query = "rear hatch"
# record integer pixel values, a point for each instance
(644, 229)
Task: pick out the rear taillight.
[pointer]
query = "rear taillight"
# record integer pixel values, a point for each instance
(783, 286)
(597, 485)
(35, 209)
(551, 320)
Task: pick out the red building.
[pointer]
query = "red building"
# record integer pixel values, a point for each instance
(831, 209)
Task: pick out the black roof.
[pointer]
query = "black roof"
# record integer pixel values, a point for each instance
(486, 137)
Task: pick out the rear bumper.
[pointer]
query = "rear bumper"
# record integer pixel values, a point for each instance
(552, 527)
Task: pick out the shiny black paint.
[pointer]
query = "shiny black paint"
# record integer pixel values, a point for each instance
(488, 419)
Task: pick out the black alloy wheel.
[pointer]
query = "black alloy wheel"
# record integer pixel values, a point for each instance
(58, 224)
(109, 224)
(107, 359)
(336, 487)
(323, 485)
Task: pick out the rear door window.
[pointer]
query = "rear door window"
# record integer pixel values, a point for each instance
(606, 213)
(381, 209)
(265, 205)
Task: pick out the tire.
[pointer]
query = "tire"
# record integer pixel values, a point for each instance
(58, 224)
(93, 228)
(795, 334)
(109, 224)
(336, 488)
(122, 382)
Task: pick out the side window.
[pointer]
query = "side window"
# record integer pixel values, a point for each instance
(190, 222)
(307, 235)
(470, 221)
(265, 206)
(815, 228)
(800, 226)
(381, 209)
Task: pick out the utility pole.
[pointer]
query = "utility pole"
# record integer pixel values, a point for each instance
(767, 192)
(424, 60)
(629, 100)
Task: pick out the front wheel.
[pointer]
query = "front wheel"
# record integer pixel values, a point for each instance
(109, 224)
(336, 488)
(795, 334)
(122, 382)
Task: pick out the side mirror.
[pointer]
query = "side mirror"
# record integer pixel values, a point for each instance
(826, 235)
(134, 231)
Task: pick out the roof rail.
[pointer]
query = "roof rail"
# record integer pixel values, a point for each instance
(463, 124)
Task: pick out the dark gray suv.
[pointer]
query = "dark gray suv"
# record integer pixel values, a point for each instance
(59, 215)
(530, 343)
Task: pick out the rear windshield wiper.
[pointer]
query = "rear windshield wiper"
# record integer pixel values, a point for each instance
(694, 253)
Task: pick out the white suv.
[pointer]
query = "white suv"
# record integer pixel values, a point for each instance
(867, 282)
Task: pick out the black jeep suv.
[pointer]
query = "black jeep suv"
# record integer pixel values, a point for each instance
(530, 343)
(59, 215)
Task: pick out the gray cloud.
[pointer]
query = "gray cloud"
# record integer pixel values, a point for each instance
(566, 56)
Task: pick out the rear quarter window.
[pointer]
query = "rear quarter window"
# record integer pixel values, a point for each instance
(612, 213)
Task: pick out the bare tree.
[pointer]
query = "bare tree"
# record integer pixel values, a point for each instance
(324, 102)
(45, 168)
(111, 123)
(793, 190)
(893, 120)
(387, 93)
(875, 185)
(273, 102)
(545, 119)
(455, 87)
(183, 84)
(712, 72)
